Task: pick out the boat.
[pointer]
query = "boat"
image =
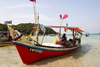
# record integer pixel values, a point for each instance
(9, 43)
(5, 41)
(87, 35)
(31, 51)
(52, 34)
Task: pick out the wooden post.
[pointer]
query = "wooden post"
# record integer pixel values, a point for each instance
(73, 36)
(34, 27)
(60, 29)
(37, 29)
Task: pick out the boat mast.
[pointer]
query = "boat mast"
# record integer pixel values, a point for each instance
(64, 17)
(35, 27)
(60, 28)
(34, 5)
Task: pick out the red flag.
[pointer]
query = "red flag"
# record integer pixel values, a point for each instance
(60, 16)
(65, 16)
(33, 1)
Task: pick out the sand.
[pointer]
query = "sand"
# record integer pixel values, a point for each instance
(9, 57)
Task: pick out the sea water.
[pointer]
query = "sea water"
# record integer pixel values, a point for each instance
(88, 55)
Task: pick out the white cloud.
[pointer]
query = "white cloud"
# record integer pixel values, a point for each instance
(41, 17)
(2, 16)
(24, 18)
(18, 6)
(46, 18)
(23, 5)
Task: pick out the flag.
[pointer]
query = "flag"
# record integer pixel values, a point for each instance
(60, 16)
(33, 1)
(65, 16)
(9, 22)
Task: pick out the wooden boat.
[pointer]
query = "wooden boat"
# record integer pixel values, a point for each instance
(52, 34)
(31, 51)
(4, 41)
(87, 35)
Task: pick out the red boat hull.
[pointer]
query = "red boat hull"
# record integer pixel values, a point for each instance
(31, 57)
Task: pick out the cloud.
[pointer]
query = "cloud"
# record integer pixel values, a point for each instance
(23, 5)
(46, 18)
(24, 18)
(17, 6)
(2, 15)
(41, 17)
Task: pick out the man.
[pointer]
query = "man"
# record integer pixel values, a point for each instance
(64, 41)
(64, 38)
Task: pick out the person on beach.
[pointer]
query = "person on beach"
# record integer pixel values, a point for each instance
(64, 41)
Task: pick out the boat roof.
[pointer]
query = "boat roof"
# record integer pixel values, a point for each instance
(67, 27)
(4, 32)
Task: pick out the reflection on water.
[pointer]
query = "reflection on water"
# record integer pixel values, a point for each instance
(88, 55)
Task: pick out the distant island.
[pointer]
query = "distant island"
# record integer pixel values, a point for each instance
(26, 28)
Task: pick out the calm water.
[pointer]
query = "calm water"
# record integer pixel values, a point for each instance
(88, 55)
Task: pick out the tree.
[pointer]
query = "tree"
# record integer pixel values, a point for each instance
(26, 28)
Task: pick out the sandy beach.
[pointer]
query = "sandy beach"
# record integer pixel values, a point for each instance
(88, 55)
(28, 16)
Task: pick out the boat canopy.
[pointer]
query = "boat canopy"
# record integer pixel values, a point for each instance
(65, 28)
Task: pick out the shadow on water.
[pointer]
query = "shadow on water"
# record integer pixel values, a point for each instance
(80, 52)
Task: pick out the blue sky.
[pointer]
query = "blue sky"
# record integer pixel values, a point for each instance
(81, 13)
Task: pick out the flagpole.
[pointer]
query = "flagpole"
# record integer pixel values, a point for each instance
(64, 17)
(34, 6)
(35, 30)
(34, 18)
(60, 28)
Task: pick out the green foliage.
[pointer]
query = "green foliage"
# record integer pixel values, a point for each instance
(3, 27)
(26, 28)
(50, 31)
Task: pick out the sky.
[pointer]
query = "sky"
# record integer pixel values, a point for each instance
(81, 13)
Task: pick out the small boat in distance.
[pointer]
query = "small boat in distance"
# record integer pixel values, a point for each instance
(87, 35)
(52, 34)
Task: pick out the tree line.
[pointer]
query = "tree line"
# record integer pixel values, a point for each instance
(26, 28)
